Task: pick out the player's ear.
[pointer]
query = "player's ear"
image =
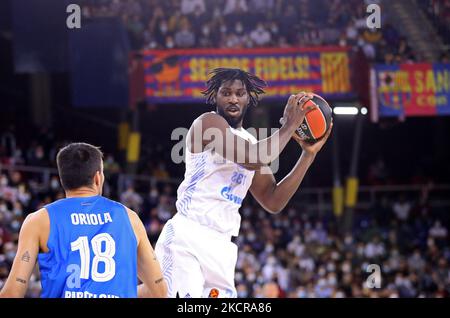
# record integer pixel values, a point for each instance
(98, 178)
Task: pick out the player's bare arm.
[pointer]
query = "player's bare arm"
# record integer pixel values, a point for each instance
(215, 132)
(31, 238)
(149, 269)
(273, 197)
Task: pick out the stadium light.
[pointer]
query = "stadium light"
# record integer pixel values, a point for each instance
(340, 110)
(364, 110)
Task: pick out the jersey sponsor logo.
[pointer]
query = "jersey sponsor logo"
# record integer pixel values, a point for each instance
(86, 294)
(213, 293)
(226, 193)
(90, 219)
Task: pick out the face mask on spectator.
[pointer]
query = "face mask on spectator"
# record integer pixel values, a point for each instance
(170, 45)
(216, 13)
(346, 268)
(3, 208)
(321, 282)
(322, 271)
(335, 255)
(239, 28)
(10, 256)
(154, 193)
(260, 280)
(332, 280)
(339, 294)
(163, 27)
(223, 28)
(54, 184)
(331, 267)
(274, 28)
(205, 30)
(3, 181)
(301, 293)
(39, 153)
(242, 294)
(348, 240)
(15, 225)
(246, 211)
(17, 212)
(271, 260)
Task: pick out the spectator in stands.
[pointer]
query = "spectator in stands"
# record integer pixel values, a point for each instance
(260, 36)
(192, 6)
(271, 290)
(402, 208)
(444, 58)
(439, 233)
(184, 38)
(235, 6)
(132, 199)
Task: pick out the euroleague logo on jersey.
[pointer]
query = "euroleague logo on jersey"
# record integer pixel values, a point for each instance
(213, 293)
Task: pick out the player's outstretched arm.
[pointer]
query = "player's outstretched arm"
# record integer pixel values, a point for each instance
(149, 269)
(28, 248)
(212, 131)
(273, 197)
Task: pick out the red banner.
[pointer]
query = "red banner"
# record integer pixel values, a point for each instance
(173, 76)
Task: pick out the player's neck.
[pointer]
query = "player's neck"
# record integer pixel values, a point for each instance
(81, 192)
(237, 126)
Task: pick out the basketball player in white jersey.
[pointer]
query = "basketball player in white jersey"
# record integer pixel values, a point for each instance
(195, 249)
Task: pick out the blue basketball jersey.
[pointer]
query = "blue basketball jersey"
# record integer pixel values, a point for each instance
(92, 250)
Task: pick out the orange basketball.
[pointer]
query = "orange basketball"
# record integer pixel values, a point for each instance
(317, 121)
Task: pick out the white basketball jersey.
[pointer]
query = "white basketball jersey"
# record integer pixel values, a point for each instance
(213, 189)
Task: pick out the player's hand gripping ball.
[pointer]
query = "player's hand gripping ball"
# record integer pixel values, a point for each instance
(316, 122)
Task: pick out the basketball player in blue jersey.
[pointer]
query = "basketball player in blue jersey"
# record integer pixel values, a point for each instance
(86, 245)
(223, 162)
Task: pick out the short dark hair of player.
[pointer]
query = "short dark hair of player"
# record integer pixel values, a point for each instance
(77, 164)
(253, 84)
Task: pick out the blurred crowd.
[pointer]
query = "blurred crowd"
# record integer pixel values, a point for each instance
(153, 24)
(439, 13)
(292, 254)
(305, 256)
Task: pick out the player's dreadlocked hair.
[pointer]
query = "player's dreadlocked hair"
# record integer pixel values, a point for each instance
(252, 83)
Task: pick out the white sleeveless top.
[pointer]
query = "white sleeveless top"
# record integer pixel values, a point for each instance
(213, 189)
